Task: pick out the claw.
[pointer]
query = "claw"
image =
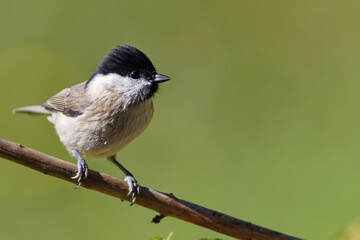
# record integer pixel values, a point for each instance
(82, 170)
(134, 188)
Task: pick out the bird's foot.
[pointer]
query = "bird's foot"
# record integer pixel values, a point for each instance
(134, 187)
(82, 171)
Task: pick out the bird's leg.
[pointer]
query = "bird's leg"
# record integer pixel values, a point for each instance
(82, 168)
(134, 186)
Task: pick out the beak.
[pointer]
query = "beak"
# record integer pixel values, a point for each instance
(161, 78)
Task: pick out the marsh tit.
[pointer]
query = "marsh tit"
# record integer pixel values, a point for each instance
(99, 117)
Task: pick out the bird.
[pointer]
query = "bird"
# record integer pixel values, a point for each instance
(102, 115)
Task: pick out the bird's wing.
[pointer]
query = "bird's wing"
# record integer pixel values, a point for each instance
(70, 101)
(57, 102)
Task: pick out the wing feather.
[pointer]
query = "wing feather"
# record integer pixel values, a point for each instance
(70, 101)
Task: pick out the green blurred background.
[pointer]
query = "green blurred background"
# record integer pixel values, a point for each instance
(260, 120)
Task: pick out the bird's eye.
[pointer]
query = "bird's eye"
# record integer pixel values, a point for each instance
(135, 75)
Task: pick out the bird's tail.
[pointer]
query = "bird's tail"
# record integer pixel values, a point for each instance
(32, 110)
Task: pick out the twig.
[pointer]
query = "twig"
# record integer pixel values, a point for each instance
(165, 204)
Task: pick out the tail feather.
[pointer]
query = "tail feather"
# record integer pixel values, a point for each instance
(32, 110)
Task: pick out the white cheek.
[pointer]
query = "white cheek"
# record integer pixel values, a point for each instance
(127, 89)
(102, 84)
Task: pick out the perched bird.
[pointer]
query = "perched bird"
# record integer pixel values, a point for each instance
(99, 117)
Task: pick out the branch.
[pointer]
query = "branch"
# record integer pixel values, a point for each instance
(165, 204)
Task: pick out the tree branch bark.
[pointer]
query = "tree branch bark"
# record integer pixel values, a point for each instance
(165, 204)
